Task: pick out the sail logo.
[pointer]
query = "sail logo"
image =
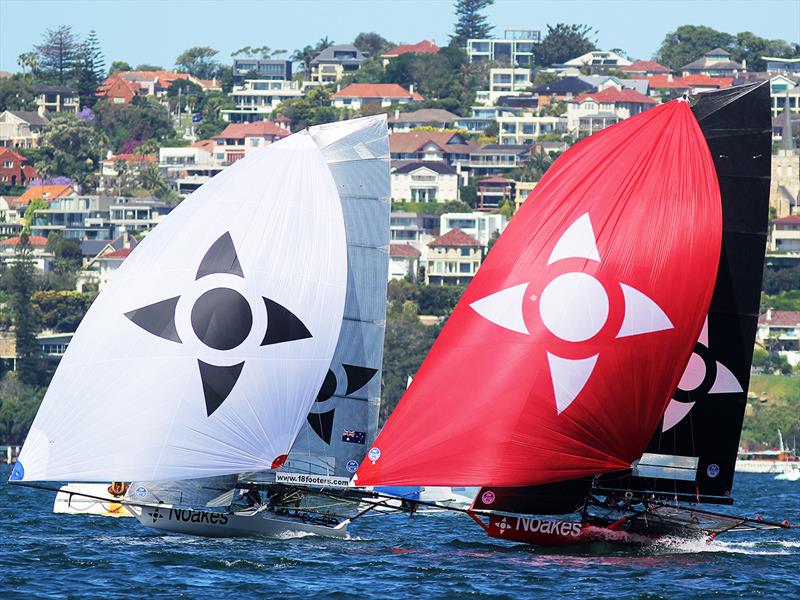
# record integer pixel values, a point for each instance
(357, 377)
(703, 376)
(222, 319)
(574, 307)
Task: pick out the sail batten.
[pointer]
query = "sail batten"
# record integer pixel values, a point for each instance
(613, 255)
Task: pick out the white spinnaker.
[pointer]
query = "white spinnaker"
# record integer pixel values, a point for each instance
(126, 405)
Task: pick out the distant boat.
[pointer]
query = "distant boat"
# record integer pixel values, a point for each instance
(244, 338)
(777, 460)
(596, 365)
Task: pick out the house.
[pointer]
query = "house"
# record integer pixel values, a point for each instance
(21, 128)
(256, 99)
(589, 113)
(483, 117)
(423, 47)
(785, 234)
(56, 99)
(784, 190)
(493, 192)
(47, 192)
(146, 83)
(497, 159)
(788, 66)
(509, 81)
(515, 48)
(670, 86)
(425, 117)
(357, 95)
(561, 90)
(108, 264)
(403, 261)
(523, 192)
(601, 82)
(525, 128)
(782, 326)
(334, 62)
(237, 139)
(9, 218)
(119, 90)
(134, 163)
(644, 68)
(428, 181)
(597, 59)
(73, 216)
(42, 259)
(15, 169)
(416, 229)
(479, 225)
(453, 259)
(261, 69)
(784, 91)
(189, 167)
(447, 146)
(714, 63)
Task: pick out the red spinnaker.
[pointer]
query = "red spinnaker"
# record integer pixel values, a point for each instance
(561, 356)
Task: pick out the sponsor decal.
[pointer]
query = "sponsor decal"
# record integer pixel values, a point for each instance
(192, 516)
(503, 525)
(140, 491)
(487, 497)
(562, 528)
(712, 470)
(374, 454)
(354, 437)
(352, 466)
(316, 480)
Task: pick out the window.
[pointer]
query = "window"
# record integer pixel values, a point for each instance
(466, 251)
(464, 268)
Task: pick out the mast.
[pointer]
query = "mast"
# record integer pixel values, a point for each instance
(704, 418)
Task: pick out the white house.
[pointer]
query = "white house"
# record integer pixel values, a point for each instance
(357, 95)
(589, 113)
(403, 261)
(479, 225)
(599, 59)
(429, 181)
(256, 99)
(20, 128)
(526, 127)
(189, 167)
(453, 259)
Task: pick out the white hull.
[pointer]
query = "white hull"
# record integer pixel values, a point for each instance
(764, 466)
(793, 475)
(84, 499)
(228, 525)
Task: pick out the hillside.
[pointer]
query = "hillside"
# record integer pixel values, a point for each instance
(777, 407)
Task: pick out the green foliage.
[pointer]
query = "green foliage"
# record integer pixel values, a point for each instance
(781, 410)
(752, 48)
(372, 43)
(564, 42)
(784, 300)
(470, 22)
(469, 195)
(126, 123)
(16, 93)
(507, 209)
(492, 240)
(70, 147)
(371, 70)
(18, 405)
(147, 67)
(431, 208)
(19, 280)
(119, 65)
(305, 55)
(60, 311)
(781, 279)
(312, 109)
(34, 205)
(59, 54)
(438, 300)
(198, 62)
(89, 69)
(67, 253)
(28, 60)
(534, 168)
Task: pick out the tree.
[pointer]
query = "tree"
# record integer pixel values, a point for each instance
(66, 252)
(16, 93)
(58, 54)
(492, 240)
(690, 42)
(198, 62)
(312, 109)
(751, 48)
(21, 285)
(470, 23)
(29, 60)
(146, 67)
(305, 55)
(18, 405)
(129, 125)
(507, 209)
(71, 147)
(61, 311)
(372, 43)
(119, 65)
(90, 69)
(564, 42)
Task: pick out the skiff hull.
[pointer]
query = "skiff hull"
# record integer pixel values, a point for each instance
(229, 525)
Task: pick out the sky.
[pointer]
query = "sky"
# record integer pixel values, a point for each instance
(157, 31)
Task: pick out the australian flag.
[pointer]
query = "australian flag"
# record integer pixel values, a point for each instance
(354, 437)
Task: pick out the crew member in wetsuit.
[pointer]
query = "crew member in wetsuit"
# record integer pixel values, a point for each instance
(252, 496)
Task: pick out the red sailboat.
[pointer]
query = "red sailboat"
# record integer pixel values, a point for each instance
(557, 365)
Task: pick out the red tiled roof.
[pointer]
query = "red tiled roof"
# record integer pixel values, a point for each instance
(781, 318)
(117, 87)
(258, 128)
(35, 240)
(403, 250)
(454, 237)
(407, 142)
(423, 47)
(47, 192)
(645, 66)
(128, 157)
(207, 145)
(376, 90)
(118, 254)
(7, 154)
(667, 82)
(789, 219)
(613, 95)
(496, 180)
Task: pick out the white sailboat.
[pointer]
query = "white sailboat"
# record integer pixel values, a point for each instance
(219, 331)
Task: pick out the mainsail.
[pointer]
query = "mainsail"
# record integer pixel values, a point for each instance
(203, 355)
(343, 422)
(704, 418)
(561, 356)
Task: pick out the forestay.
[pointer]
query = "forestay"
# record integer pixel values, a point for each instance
(561, 356)
(203, 355)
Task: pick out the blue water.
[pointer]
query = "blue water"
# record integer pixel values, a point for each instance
(42, 554)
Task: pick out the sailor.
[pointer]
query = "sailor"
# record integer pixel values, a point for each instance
(252, 496)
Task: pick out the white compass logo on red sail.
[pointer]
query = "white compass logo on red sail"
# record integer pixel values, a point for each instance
(574, 307)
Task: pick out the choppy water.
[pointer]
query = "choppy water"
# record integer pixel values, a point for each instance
(42, 554)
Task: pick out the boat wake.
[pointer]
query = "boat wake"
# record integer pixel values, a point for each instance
(700, 546)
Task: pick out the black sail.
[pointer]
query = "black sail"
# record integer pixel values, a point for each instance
(736, 123)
